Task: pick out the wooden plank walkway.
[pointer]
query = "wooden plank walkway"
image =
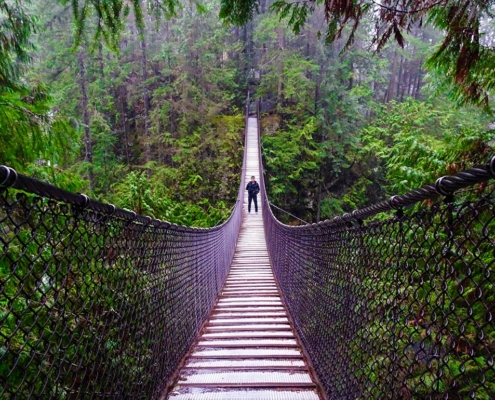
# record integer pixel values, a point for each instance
(247, 349)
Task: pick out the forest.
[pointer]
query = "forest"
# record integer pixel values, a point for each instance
(147, 111)
(142, 104)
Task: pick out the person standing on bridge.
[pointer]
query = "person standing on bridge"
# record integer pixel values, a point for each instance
(253, 189)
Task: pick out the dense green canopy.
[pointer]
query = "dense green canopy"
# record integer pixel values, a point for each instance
(463, 56)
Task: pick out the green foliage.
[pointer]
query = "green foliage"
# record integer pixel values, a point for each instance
(69, 179)
(238, 12)
(110, 17)
(314, 104)
(16, 27)
(150, 197)
(414, 143)
(291, 158)
(194, 128)
(361, 149)
(106, 166)
(29, 128)
(297, 13)
(462, 60)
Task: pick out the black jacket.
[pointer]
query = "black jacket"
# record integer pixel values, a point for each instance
(253, 188)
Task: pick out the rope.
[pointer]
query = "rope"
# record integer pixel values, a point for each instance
(389, 309)
(10, 178)
(292, 215)
(116, 298)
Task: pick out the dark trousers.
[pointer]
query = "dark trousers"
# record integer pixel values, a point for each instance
(250, 198)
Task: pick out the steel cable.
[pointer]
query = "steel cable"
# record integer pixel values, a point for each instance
(96, 301)
(400, 307)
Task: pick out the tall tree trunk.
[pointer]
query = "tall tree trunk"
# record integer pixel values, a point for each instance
(400, 77)
(417, 90)
(411, 79)
(101, 64)
(146, 100)
(88, 146)
(351, 77)
(122, 96)
(317, 80)
(245, 52)
(318, 199)
(389, 95)
(101, 68)
(281, 45)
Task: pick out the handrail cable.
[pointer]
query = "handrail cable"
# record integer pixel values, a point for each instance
(400, 307)
(288, 213)
(98, 301)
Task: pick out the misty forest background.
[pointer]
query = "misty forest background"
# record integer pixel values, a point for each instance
(156, 124)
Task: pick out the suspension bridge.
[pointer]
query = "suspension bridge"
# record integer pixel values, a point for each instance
(392, 301)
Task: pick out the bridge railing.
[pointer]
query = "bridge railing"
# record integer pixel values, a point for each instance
(96, 301)
(395, 303)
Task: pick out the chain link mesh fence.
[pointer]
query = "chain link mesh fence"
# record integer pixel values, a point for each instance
(95, 301)
(396, 300)
(402, 306)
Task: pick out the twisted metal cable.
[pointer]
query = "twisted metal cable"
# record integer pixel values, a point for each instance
(96, 301)
(288, 213)
(401, 308)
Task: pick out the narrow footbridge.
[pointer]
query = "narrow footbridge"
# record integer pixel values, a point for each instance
(393, 301)
(247, 348)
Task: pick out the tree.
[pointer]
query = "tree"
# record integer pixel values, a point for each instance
(410, 144)
(187, 139)
(462, 57)
(27, 124)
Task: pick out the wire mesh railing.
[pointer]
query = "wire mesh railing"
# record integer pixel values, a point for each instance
(96, 301)
(401, 306)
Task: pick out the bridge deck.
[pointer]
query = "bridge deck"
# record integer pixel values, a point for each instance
(247, 349)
